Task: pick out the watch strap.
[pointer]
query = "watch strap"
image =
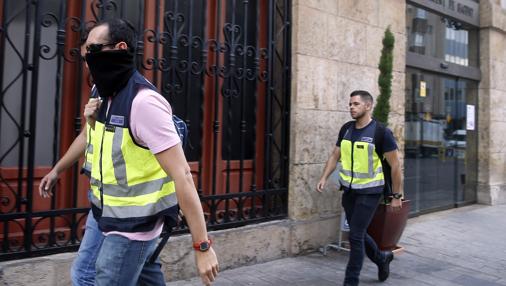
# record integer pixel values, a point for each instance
(397, 196)
(203, 245)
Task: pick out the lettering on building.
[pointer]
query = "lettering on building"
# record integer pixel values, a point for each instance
(465, 10)
(456, 6)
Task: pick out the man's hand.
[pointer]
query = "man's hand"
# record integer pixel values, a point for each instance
(207, 265)
(321, 185)
(395, 205)
(47, 183)
(91, 110)
(330, 166)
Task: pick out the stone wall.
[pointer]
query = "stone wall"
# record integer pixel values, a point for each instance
(336, 47)
(492, 104)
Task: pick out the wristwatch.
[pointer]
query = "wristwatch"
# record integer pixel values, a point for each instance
(397, 196)
(203, 246)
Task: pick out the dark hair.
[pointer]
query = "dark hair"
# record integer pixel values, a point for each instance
(120, 30)
(84, 34)
(364, 95)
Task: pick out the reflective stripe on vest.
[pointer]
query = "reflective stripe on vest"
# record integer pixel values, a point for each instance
(134, 184)
(88, 155)
(361, 166)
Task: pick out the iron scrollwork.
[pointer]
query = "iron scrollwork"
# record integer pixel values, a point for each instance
(47, 21)
(234, 60)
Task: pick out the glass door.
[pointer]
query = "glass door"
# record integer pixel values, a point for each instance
(439, 154)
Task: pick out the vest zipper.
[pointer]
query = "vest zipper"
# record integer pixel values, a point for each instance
(352, 148)
(101, 174)
(107, 113)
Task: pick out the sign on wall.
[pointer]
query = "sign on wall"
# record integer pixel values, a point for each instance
(463, 10)
(423, 89)
(470, 121)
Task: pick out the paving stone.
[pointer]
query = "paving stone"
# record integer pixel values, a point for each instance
(467, 280)
(459, 247)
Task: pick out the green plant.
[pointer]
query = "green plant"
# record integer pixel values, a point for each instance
(382, 107)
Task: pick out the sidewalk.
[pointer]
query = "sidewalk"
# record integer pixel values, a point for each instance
(465, 246)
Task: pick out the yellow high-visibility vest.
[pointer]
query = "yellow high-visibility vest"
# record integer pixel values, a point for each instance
(361, 166)
(130, 190)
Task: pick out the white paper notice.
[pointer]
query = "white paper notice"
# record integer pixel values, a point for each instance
(470, 117)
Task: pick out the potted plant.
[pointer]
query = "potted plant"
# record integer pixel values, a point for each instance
(386, 226)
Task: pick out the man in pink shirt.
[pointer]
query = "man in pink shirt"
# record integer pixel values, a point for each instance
(140, 173)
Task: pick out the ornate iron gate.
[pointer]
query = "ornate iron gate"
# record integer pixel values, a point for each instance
(224, 65)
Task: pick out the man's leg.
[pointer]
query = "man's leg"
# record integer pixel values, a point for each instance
(121, 260)
(359, 212)
(83, 268)
(381, 258)
(348, 203)
(151, 274)
(372, 250)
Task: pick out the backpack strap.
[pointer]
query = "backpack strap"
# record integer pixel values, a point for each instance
(379, 138)
(165, 237)
(94, 92)
(348, 126)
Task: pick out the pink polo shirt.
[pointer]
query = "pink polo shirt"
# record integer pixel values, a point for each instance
(152, 127)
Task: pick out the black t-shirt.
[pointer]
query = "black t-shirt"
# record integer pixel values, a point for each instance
(388, 139)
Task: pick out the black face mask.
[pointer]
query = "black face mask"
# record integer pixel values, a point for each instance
(110, 70)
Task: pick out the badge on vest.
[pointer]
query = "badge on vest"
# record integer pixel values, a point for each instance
(117, 120)
(366, 139)
(110, 128)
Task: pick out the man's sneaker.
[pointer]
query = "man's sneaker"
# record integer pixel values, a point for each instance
(384, 268)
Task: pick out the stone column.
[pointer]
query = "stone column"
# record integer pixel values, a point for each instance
(336, 47)
(492, 104)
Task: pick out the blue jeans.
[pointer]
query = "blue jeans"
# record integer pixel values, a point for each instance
(125, 262)
(360, 209)
(83, 268)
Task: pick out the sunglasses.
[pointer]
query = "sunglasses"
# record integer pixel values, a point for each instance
(95, 48)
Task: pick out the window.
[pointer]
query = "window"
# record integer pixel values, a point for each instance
(440, 37)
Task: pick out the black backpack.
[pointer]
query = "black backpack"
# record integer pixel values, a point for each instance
(182, 130)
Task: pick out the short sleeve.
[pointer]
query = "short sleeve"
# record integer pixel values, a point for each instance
(151, 122)
(342, 132)
(389, 143)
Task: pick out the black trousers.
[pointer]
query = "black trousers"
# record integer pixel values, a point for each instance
(360, 209)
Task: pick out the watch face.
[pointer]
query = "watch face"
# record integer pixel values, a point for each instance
(204, 246)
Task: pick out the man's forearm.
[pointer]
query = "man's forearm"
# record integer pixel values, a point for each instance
(329, 167)
(192, 209)
(397, 180)
(75, 151)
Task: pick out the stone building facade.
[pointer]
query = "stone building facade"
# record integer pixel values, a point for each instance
(336, 46)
